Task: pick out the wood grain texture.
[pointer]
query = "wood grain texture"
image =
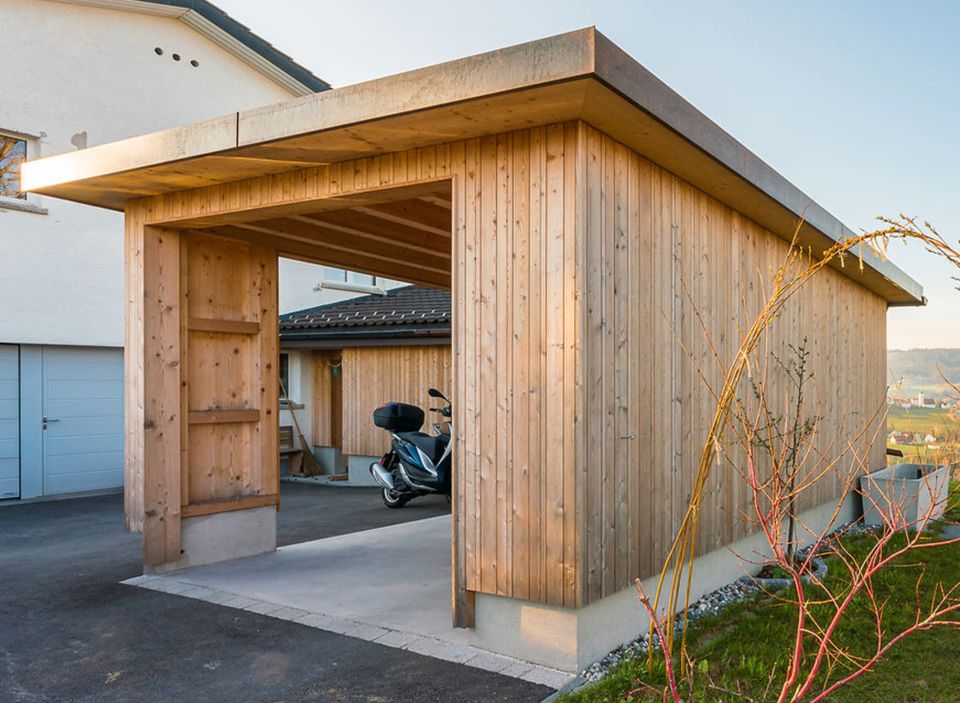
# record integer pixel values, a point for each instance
(371, 376)
(577, 268)
(515, 327)
(201, 361)
(327, 380)
(656, 252)
(160, 347)
(133, 369)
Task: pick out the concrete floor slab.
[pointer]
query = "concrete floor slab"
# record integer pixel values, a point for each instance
(389, 584)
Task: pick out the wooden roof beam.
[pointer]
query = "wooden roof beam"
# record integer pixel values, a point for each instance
(402, 265)
(416, 214)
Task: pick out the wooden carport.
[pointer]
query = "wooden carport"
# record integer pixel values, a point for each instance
(562, 193)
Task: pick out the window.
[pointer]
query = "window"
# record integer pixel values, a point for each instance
(291, 388)
(13, 152)
(284, 377)
(332, 274)
(362, 279)
(341, 276)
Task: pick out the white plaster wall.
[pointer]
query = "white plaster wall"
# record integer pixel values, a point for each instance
(79, 75)
(298, 280)
(301, 393)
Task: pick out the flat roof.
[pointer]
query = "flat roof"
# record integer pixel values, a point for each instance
(579, 75)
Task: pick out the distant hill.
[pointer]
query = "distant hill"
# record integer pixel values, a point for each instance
(918, 369)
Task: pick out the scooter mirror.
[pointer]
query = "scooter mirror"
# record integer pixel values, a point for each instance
(434, 393)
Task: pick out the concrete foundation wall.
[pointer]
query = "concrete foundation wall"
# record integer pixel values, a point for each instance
(358, 469)
(330, 458)
(208, 539)
(570, 640)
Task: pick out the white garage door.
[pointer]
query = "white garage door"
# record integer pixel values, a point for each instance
(9, 421)
(83, 419)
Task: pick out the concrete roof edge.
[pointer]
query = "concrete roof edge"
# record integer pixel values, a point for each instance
(623, 74)
(554, 59)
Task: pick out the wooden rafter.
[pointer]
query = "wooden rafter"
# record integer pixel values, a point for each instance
(307, 249)
(412, 213)
(352, 242)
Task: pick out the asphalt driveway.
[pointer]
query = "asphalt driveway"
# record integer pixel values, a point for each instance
(70, 632)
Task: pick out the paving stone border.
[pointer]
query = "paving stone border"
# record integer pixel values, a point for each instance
(412, 642)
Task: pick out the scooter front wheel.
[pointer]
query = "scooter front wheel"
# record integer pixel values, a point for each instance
(392, 499)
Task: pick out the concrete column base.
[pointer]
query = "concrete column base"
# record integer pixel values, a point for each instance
(207, 539)
(330, 458)
(358, 470)
(570, 640)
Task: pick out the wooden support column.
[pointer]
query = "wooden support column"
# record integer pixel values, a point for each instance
(152, 396)
(201, 390)
(515, 318)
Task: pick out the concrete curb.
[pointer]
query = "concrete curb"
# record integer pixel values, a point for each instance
(574, 684)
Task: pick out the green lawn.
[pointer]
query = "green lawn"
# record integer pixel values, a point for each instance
(737, 651)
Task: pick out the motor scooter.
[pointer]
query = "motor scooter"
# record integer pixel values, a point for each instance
(417, 464)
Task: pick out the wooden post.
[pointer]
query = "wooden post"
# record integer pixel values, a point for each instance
(159, 347)
(133, 370)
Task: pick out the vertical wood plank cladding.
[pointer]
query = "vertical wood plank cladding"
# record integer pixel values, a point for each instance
(516, 311)
(577, 354)
(645, 275)
(326, 427)
(372, 376)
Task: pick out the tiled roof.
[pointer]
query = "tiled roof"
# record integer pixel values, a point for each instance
(406, 306)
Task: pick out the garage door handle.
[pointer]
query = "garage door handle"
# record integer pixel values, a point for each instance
(51, 419)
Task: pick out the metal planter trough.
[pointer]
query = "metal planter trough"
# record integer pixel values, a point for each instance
(818, 571)
(905, 495)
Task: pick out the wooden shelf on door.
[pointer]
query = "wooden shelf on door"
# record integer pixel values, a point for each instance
(204, 324)
(218, 417)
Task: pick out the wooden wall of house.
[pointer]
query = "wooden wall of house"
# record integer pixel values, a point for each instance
(374, 375)
(579, 414)
(668, 275)
(327, 388)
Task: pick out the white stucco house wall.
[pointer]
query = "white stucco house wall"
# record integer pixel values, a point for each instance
(79, 73)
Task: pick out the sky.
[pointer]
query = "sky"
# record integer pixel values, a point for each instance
(856, 103)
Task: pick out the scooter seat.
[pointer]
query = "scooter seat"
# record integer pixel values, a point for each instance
(431, 445)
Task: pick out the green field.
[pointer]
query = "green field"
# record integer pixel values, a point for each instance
(935, 421)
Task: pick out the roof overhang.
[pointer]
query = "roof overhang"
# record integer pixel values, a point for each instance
(580, 75)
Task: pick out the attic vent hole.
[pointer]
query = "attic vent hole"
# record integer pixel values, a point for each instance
(176, 57)
(158, 51)
(194, 63)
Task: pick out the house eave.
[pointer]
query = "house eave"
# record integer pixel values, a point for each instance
(223, 32)
(338, 338)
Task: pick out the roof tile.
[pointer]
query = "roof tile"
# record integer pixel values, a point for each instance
(409, 305)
